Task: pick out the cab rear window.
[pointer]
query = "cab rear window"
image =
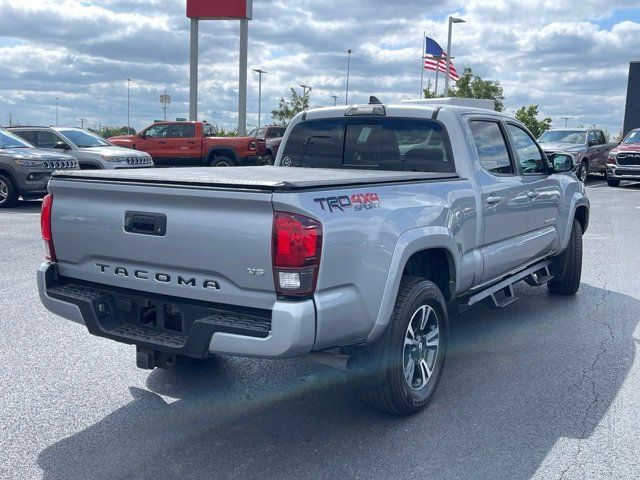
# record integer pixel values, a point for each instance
(393, 144)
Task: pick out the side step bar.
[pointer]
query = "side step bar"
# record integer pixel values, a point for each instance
(501, 294)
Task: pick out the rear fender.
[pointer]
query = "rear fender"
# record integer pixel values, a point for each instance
(410, 242)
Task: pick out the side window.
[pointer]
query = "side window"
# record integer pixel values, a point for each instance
(252, 133)
(315, 143)
(491, 147)
(187, 130)
(260, 133)
(157, 131)
(593, 138)
(601, 138)
(528, 154)
(29, 136)
(47, 139)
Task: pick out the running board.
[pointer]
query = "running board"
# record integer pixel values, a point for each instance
(501, 294)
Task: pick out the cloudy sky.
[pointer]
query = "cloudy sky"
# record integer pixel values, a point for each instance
(569, 56)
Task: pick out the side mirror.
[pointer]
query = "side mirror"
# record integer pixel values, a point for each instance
(142, 135)
(591, 143)
(562, 162)
(61, 146)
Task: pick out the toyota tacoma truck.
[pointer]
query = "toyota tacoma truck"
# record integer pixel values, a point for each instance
(624, 160)
(374, 222)
(588, 146)
(194, 144)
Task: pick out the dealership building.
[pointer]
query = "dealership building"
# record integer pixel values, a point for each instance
(632, 108)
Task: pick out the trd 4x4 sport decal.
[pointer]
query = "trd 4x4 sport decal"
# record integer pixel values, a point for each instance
(357, 201)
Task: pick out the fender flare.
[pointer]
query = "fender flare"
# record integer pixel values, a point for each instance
(410, 242)
(7, 173)
(577, 201)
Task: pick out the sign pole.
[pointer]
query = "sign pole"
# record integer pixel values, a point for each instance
(193, 72)
(242, 93)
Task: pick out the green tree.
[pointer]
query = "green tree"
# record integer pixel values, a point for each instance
(529, 116)
(427, 92)
(471, 85)
(106, 132)
(287, 109)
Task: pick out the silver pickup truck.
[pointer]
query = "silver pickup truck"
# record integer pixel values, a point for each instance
(375, 220)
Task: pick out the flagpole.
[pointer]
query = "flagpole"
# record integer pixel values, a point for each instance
(437, 70)
(424, 37)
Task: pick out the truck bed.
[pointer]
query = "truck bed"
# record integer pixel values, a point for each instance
(258, 178)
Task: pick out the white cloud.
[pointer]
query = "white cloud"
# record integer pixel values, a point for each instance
(570, 57)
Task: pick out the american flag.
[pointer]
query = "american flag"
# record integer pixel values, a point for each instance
(433, 50)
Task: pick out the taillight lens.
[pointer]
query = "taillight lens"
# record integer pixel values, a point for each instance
(253, 145)
(297, 245)
(45, 227)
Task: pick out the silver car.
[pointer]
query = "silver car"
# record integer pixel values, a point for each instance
(92, 151)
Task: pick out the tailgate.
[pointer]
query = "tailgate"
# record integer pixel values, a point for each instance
(216, 245)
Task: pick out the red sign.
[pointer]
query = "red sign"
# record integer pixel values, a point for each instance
(212, 9)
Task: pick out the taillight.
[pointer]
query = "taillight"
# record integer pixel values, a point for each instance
(45, 227)
(253, 145)
(297, 244)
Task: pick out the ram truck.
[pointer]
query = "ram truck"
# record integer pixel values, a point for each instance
(374, 222)
(623, 162)
(181, 144)
(589, 147)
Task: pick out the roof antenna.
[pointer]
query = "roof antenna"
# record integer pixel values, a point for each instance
(374, 100)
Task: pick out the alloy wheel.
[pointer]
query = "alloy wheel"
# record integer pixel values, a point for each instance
(4, 191)
(421, 344)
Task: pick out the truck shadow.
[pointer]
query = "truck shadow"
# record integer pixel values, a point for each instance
(517, 381)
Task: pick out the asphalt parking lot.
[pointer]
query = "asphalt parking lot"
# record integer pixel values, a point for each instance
(547, 388)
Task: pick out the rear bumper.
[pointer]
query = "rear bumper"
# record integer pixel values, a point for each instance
(179, 326)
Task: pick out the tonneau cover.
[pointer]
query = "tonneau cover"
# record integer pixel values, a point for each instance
(267, 177)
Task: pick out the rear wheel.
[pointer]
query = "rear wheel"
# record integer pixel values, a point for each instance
(222, 161)
(8, 193)
(416, 343)
(569, 265)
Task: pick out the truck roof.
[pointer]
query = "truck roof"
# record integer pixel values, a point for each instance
(261, 178)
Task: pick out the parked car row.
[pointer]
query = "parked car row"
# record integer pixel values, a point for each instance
(28, 155)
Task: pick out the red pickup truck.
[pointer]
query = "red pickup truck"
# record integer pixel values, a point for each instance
(194, 143)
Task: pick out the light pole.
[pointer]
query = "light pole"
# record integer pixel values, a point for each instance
(349, 52)
(109, 118)
(304, 89)
(165, 100)
(128, 105)
(57, 111)
(335, 99)
(452, 20)
(565, 120)
(259, 72)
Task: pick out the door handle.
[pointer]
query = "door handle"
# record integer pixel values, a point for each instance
(162, 143)
(191, 143)
(533, 194)
(493, 199)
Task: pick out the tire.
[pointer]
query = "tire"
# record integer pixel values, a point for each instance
(612, 182)
(404, 391)
(8, 192)
(222, 161)
(569, 265)
(583, 171)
